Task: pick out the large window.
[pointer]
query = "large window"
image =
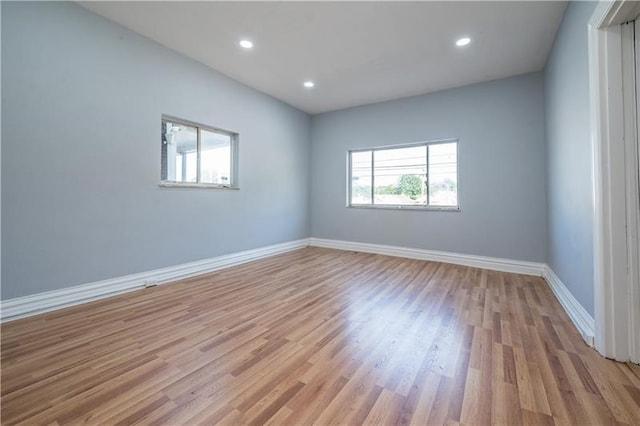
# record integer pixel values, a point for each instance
(417, 175)
(196, 155)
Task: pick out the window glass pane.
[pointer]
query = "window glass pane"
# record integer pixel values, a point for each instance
(361, 177)
(215, 157)
(181, 143)
(178, 165)
(190, 166)
(399, 176)
(443, 174)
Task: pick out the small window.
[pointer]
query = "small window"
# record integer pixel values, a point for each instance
(196, 155)
(423, 175)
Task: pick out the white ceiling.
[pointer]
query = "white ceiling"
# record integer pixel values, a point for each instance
(356, 52)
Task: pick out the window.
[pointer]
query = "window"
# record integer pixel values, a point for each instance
(418, 175)
(196, 155)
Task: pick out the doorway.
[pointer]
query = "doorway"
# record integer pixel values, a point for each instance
(614, 50)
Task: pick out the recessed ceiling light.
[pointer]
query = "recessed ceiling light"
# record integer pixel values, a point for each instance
(463, 41)
(247, 44)
(309, 84)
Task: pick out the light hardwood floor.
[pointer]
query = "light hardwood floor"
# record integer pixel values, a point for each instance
(317, 336)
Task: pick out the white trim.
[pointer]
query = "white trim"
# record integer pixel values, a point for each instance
(598, 122)
(454, 209)
(633, 212)
(613, 308)
(493, 263)
(578, 315)
(609, 13)
(630, 160)
(57, 299)
(168, 184)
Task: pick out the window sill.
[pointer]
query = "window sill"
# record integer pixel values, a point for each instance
(400, 207)
(196, 185)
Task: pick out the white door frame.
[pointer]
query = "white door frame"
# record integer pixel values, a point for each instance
(616, 298)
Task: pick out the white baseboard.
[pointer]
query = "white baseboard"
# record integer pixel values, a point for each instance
(57, 299)
(493, 263)
(579, 316)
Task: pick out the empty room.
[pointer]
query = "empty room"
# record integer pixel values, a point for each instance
(304, 213)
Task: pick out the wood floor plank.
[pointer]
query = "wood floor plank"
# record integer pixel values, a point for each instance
(316, 336)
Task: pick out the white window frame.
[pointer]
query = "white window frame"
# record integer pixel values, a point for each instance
(233, 183)
(455, 208)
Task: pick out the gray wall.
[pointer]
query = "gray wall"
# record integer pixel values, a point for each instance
(569, 157)
(81, 104)
(500, 127)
